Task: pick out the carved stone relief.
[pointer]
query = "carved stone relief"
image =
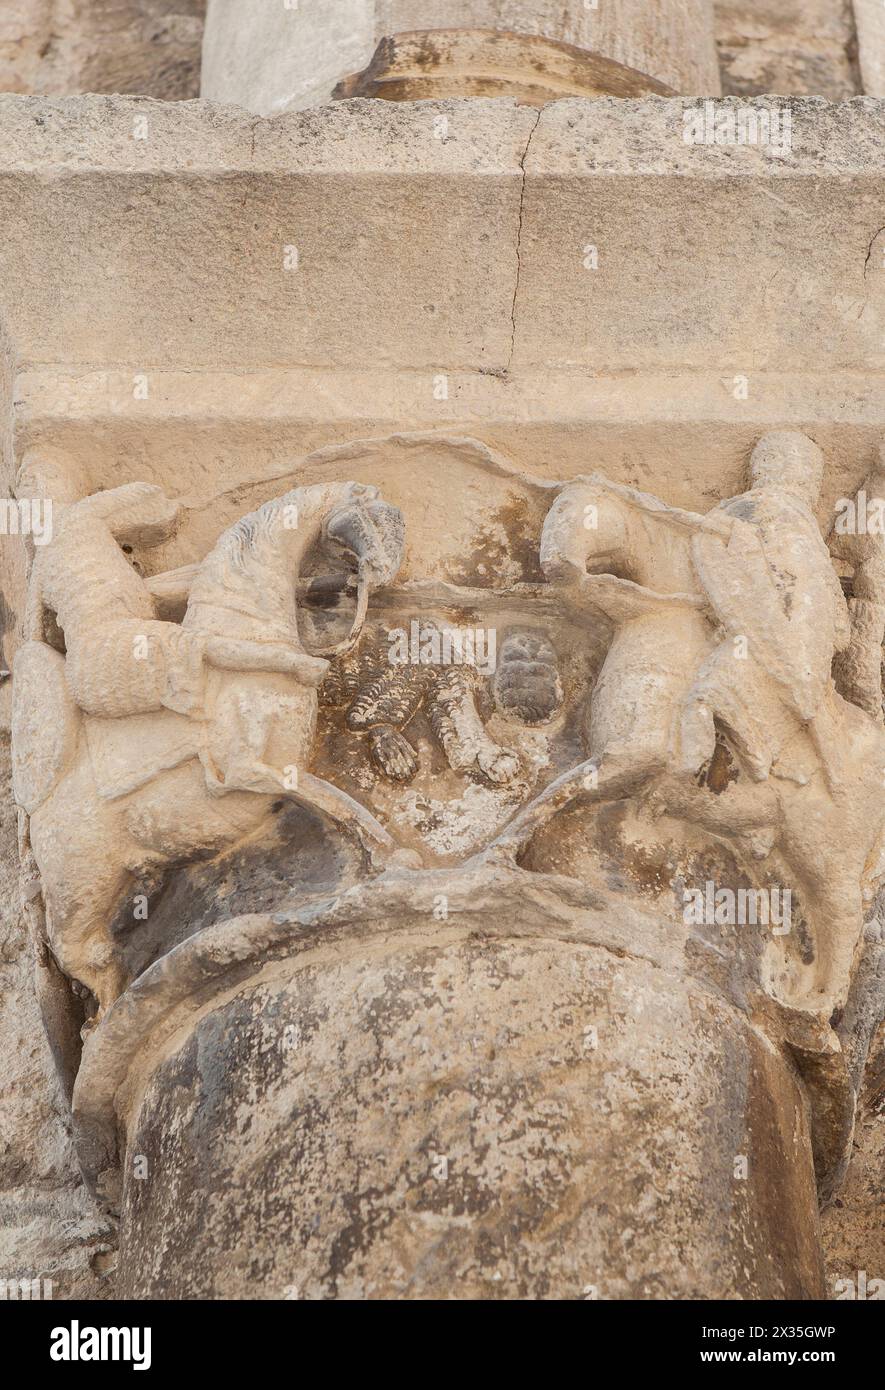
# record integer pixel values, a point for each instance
(573, 697)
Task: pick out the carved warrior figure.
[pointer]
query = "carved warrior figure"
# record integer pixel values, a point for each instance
(383, 697)
(859, 667)
(729, 623)
(168, 740)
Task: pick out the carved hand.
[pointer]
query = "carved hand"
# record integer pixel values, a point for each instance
(231, 654)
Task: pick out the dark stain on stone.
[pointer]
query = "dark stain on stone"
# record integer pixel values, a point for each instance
(783, 1250)
(721, 769)
(492, 553)
(298, 852)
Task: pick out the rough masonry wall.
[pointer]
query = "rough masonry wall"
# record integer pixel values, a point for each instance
(55, 47)
(787, 46)
(49, 1227)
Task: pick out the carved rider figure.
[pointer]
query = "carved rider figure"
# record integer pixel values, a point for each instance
(191, 732)
(729, 622)
(767, 575)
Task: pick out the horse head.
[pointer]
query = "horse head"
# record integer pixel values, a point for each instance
(584, 529)
(369, 534)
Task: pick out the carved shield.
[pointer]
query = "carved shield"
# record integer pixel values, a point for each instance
(45, 722)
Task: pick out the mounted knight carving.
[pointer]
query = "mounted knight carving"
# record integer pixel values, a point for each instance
(141, 742)
(726, 630)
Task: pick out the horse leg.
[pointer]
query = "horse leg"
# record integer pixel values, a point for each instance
(836, 914)
(740, 811)
(76, 840)
(175, 817)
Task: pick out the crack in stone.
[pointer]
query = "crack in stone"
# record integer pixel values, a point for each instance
(873, 240)
(522, 162)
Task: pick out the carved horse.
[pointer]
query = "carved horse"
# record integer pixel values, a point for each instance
(628, 556)
(150, 742)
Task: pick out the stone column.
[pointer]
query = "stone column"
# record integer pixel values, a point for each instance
(870, 21)
(376, 1104)
(271, 58)
(311, 1068)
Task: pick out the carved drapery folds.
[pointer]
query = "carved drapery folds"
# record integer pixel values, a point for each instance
(362, 706)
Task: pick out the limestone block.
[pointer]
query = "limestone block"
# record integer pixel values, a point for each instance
(216, 251)
(441, 284)
(732, 268)
(468, 236)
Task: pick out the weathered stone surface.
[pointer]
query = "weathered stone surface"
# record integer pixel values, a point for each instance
(550, 860)
(419, 1136)
(267, 998)
(853, 1225)
(230, 249)
(674, 44)
(437, 64)
(272, 58)
(459, 299)
(61, 47)
(789, 46)
(49, 1225)
(13, 558)
(576, 155)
